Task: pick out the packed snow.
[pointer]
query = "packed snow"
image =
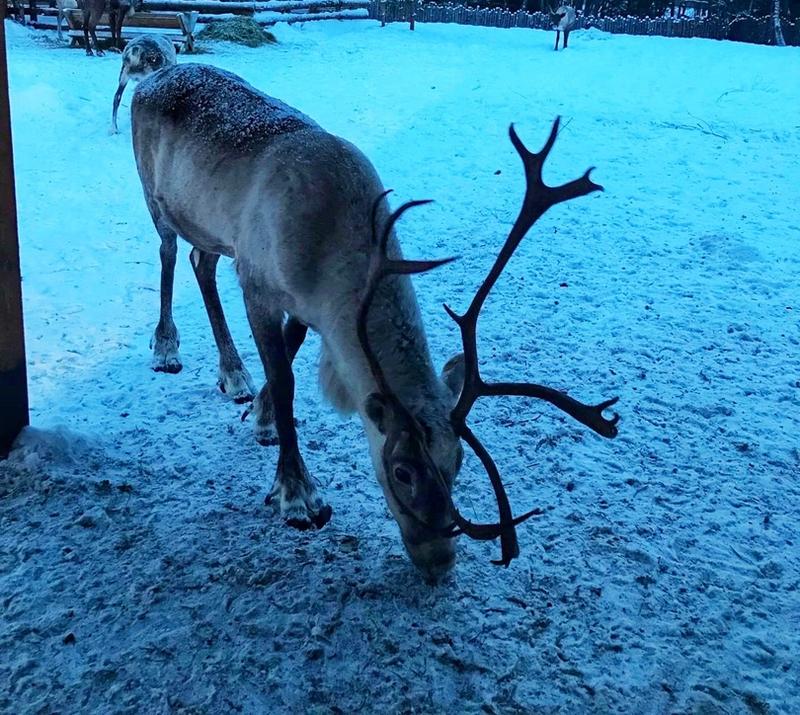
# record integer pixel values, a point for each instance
(139, 568)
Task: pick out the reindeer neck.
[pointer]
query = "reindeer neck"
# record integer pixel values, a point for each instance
(398, 338)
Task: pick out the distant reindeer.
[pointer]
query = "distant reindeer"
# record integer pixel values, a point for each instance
(142, 56)
(93, 10)
(564, 20)
(18, 11)
(305, 218)
(61, 6)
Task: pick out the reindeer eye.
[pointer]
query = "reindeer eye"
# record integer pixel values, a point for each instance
(403, 474)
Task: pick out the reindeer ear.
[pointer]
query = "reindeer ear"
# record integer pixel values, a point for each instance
(453, 374)
(377, 408)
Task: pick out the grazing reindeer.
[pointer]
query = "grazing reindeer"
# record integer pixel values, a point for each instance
(93, 10)
(564, 20)
(142, 56)
(305, 217)
(61, 6)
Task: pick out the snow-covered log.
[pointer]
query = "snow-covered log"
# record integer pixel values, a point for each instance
(214, 7)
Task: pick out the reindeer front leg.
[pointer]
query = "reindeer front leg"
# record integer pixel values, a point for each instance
(165, 339)
(93, 20)
(87, 14)
(113, 14)
(234, 380)
(294, 333)
(297, 498)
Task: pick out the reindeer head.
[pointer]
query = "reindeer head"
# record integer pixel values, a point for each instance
(421, 453)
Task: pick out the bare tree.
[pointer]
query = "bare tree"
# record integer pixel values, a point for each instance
(776, 23)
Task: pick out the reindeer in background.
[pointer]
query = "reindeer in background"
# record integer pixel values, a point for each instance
(62, 6)
(564, 20)
(117, 11)
(305, 217)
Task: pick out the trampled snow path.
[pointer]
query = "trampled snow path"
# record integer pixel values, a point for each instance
(139, 570)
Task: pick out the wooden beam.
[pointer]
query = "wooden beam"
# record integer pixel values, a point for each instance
(13, 375)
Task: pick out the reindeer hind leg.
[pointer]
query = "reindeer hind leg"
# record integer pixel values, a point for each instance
(294, 333)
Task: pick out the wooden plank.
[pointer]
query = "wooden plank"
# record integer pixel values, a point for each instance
(176, 36)
(166, 20)
(13, 372)
(130, 32)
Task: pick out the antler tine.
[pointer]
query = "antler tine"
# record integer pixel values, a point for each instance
(375, 206)
(508, 536)
(486, 532)
(395, 216)
(380, 267)
(534, 162)
(589, 415)
(538, 199)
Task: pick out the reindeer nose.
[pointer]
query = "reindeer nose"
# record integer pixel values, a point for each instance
(435, 571)
(434, 559)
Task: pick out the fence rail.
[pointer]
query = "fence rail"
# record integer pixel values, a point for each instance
(745, 29)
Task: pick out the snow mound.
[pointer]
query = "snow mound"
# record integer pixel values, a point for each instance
(36, 448)
(594, 34)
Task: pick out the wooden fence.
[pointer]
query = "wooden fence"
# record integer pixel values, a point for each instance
(743, 28)
(749, 29)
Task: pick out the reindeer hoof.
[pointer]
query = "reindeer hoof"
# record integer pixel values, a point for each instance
(299, 524)
(267, 438)
(237, 384)
(166, 357)
(297, 499)
(323, 516)
(317, 521)
(173, 367)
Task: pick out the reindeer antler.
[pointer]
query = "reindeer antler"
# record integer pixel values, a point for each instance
(380, 267)
(538, 199)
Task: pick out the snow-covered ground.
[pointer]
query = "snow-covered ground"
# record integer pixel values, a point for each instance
(140, 571)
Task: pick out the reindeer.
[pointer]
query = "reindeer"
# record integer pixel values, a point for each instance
(564, 20)
(62, 6)
(306, 220)
(142, 56)
(17, 8)
(93, 10)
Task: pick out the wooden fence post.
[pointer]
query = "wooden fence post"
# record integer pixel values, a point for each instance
(13, 376)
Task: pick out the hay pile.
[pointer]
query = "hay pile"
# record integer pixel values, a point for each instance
(241, 30)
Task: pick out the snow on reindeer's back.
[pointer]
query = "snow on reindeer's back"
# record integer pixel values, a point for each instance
(217, 106)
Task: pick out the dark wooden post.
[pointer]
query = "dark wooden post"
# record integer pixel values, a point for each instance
(13, 377)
